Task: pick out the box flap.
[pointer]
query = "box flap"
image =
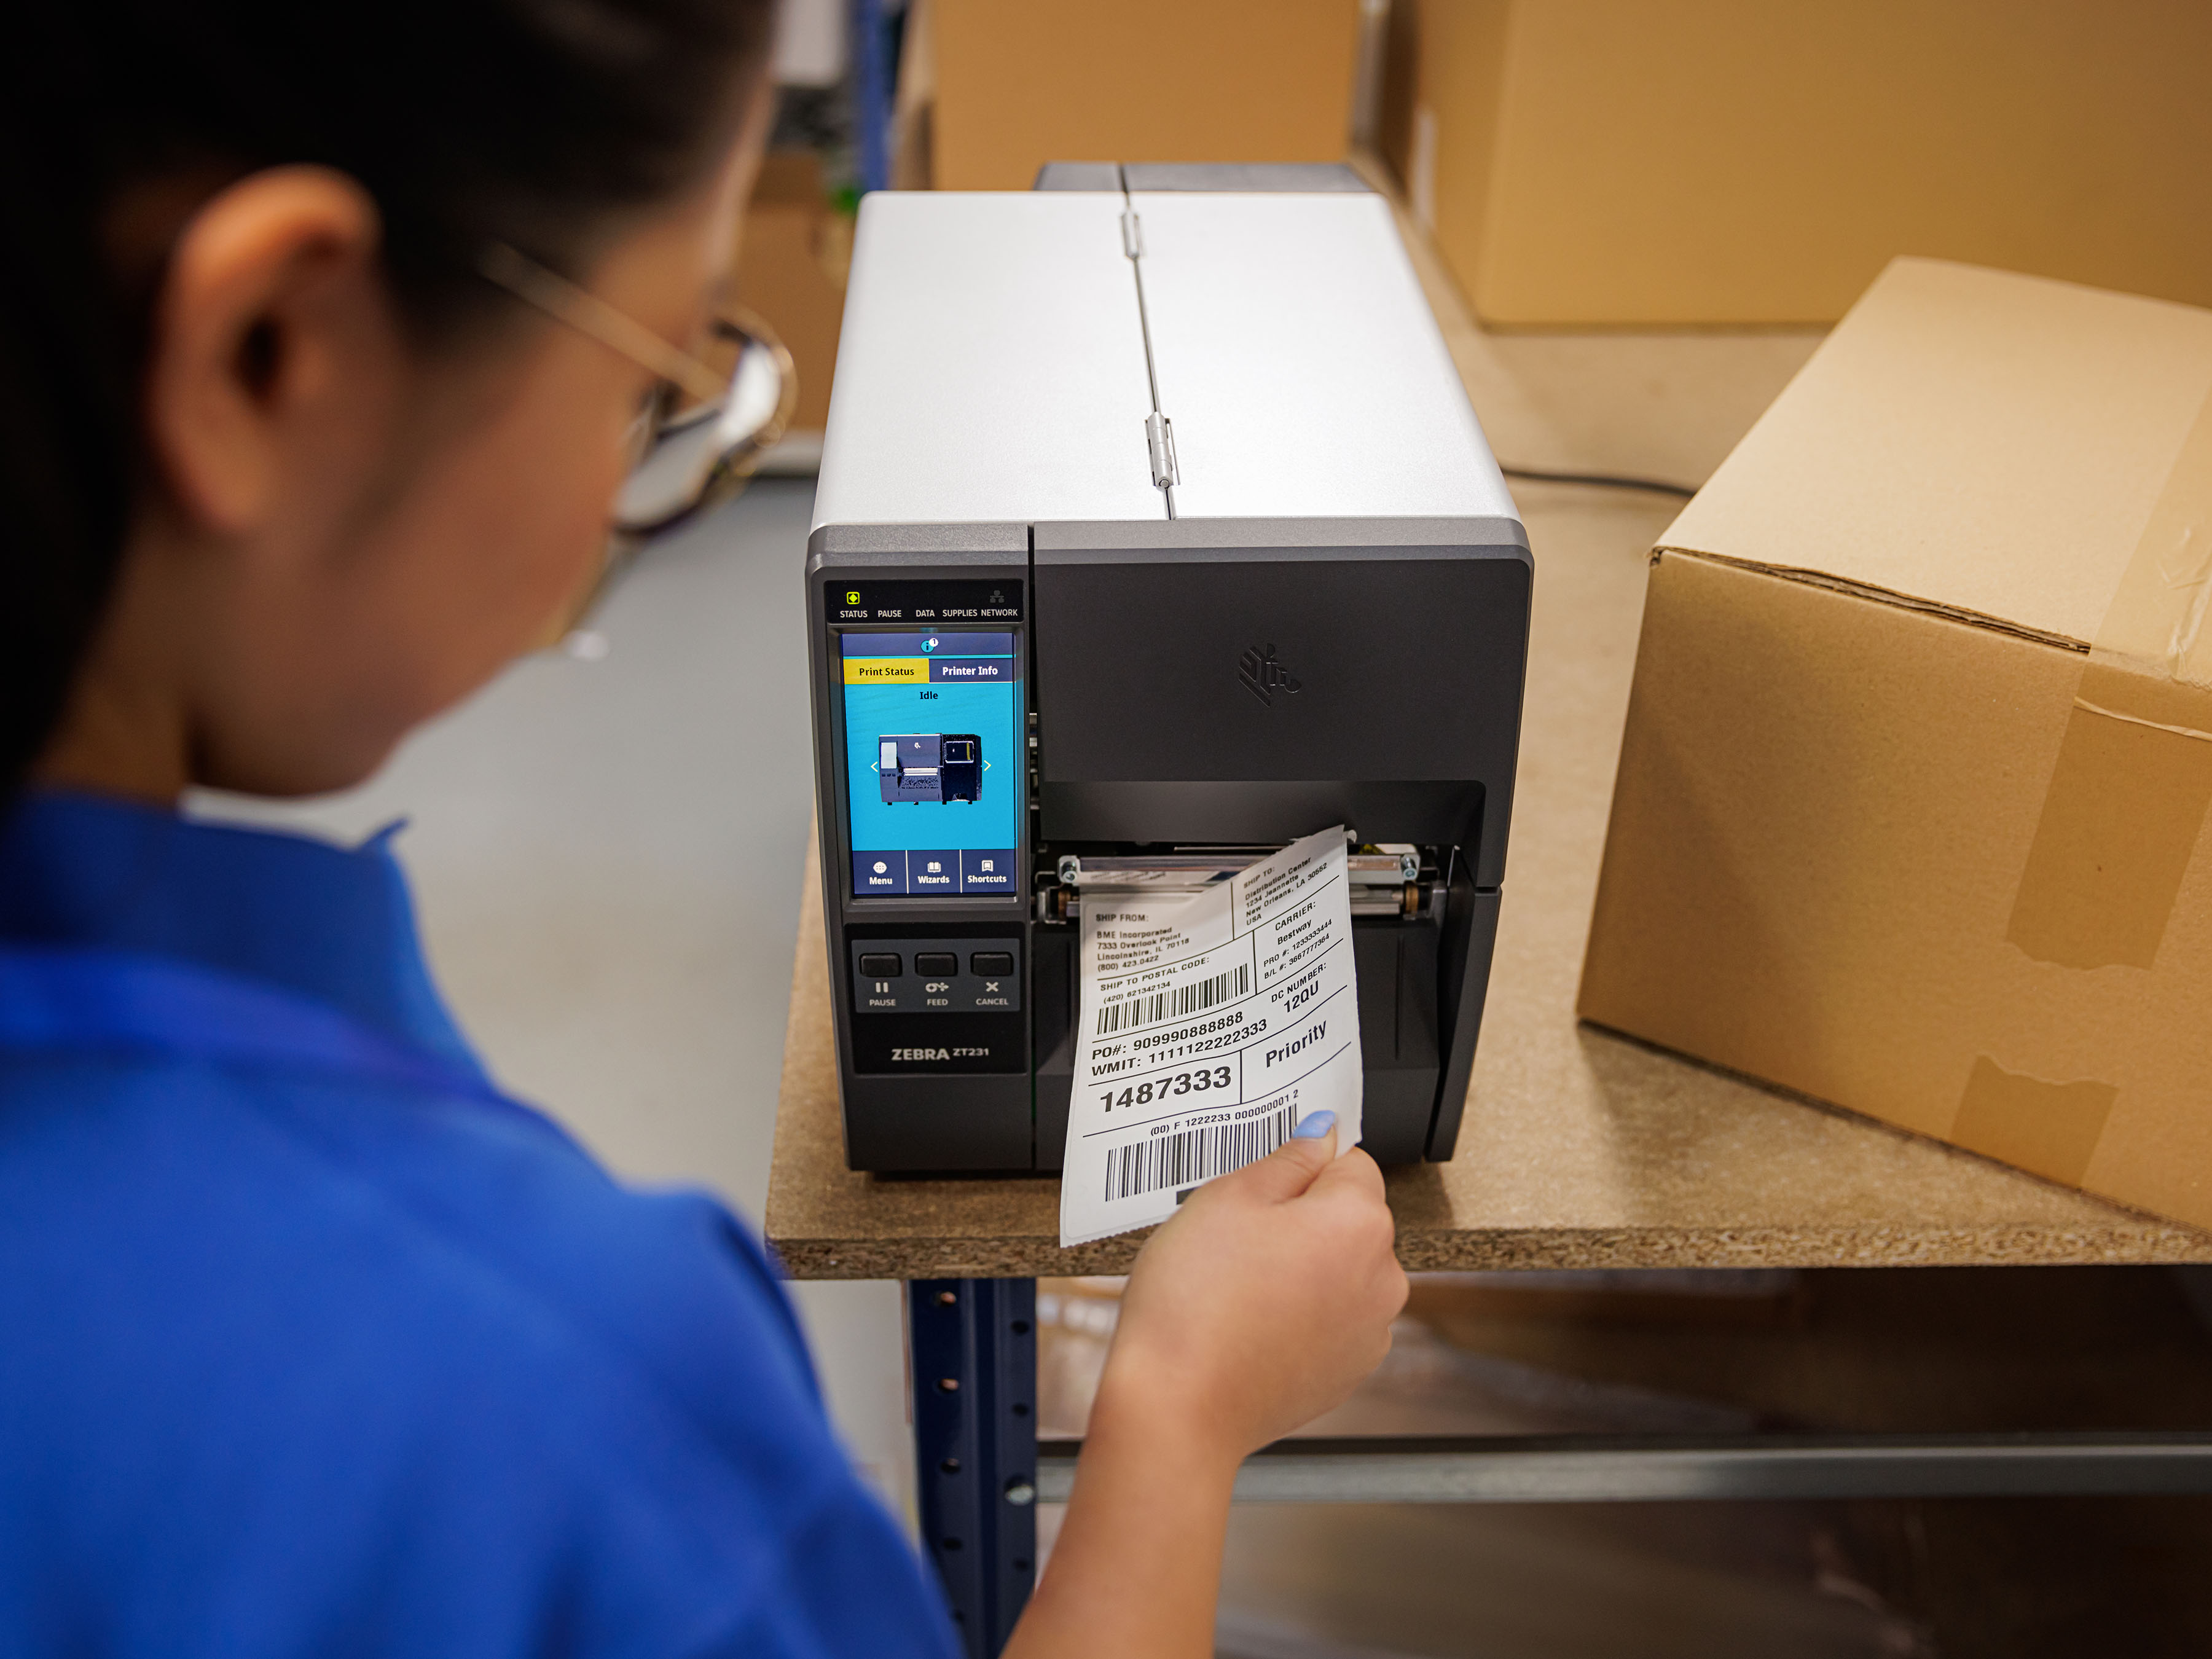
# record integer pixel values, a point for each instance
(1989, 444)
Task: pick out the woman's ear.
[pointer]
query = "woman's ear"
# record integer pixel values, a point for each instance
(271, 295)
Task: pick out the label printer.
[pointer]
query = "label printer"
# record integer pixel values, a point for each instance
(1154, 531)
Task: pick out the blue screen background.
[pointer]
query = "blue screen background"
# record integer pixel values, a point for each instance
(989, 711)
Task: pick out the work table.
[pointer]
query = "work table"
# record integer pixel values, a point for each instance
(1579, 1148)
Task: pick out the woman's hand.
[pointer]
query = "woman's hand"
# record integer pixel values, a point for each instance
(1262, 1303)
(1258, 1306)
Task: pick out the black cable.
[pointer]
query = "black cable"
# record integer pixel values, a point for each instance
(1602, 481)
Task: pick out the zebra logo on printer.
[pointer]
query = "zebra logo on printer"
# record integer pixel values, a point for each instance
(1263, 676)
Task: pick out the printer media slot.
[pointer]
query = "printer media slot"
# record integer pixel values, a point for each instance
(1384, 880)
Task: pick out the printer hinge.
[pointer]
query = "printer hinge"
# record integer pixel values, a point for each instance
(1132, 235)
(1160, 439)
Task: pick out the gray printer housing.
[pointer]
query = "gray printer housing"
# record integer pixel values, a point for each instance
(1404, 635)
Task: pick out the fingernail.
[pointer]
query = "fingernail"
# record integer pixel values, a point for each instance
(1314, 1125)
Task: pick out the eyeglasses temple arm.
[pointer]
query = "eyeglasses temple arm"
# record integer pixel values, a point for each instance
(587, 313)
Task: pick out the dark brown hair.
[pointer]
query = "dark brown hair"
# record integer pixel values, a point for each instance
(540, 123)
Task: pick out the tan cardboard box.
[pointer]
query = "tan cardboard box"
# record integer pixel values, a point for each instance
(1912, 795)
(1733, 162)
(793, 247)
(1021, 83)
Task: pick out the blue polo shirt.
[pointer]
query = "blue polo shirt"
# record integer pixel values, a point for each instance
(312, 1343)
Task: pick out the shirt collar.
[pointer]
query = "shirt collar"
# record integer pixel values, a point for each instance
(330, 922)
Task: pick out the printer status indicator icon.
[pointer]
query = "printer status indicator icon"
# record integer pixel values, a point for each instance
(1263, 676)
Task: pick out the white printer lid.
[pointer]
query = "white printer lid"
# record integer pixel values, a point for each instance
(993, 366)
(1300, 366)
(990, 369)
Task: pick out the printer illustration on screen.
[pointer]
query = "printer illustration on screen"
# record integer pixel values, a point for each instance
(930, 766)
(1154, 531)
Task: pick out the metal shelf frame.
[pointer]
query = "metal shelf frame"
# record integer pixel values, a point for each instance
(981, 1470)
(1620, 1469)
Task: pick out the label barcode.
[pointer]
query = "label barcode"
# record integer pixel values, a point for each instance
(1192, 999)
(1196, 1155)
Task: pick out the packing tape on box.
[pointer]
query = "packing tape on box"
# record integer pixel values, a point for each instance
(2049, 1129)
(2122, 816)
(2128, 797)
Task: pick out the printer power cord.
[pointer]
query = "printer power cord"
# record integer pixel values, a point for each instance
(1600, 481)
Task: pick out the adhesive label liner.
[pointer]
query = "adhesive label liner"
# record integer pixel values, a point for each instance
(1211, 1024)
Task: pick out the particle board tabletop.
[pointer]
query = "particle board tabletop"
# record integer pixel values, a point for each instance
(1579, 1148)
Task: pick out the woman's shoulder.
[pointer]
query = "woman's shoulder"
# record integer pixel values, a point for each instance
(284, 1198)
(341, 1324)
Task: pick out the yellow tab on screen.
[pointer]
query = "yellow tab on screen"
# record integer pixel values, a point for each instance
(886, 671)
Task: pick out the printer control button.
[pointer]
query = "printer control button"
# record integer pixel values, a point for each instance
(883, 966)
(941, 965)
(992, 964)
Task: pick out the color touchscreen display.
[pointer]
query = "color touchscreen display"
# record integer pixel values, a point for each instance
(933, 760)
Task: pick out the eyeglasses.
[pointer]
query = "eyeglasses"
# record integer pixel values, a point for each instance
(709, 416)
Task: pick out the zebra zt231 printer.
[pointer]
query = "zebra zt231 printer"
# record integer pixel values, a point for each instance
(1154, 531)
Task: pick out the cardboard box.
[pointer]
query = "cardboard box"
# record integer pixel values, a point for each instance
(1912, 801)
(1021, 83)
(793, 249)
(1735, 161)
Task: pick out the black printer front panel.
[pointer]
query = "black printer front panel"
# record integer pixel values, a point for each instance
(925, 761)
(1219, 699)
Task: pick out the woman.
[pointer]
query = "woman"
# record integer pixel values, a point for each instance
(310, 1341)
